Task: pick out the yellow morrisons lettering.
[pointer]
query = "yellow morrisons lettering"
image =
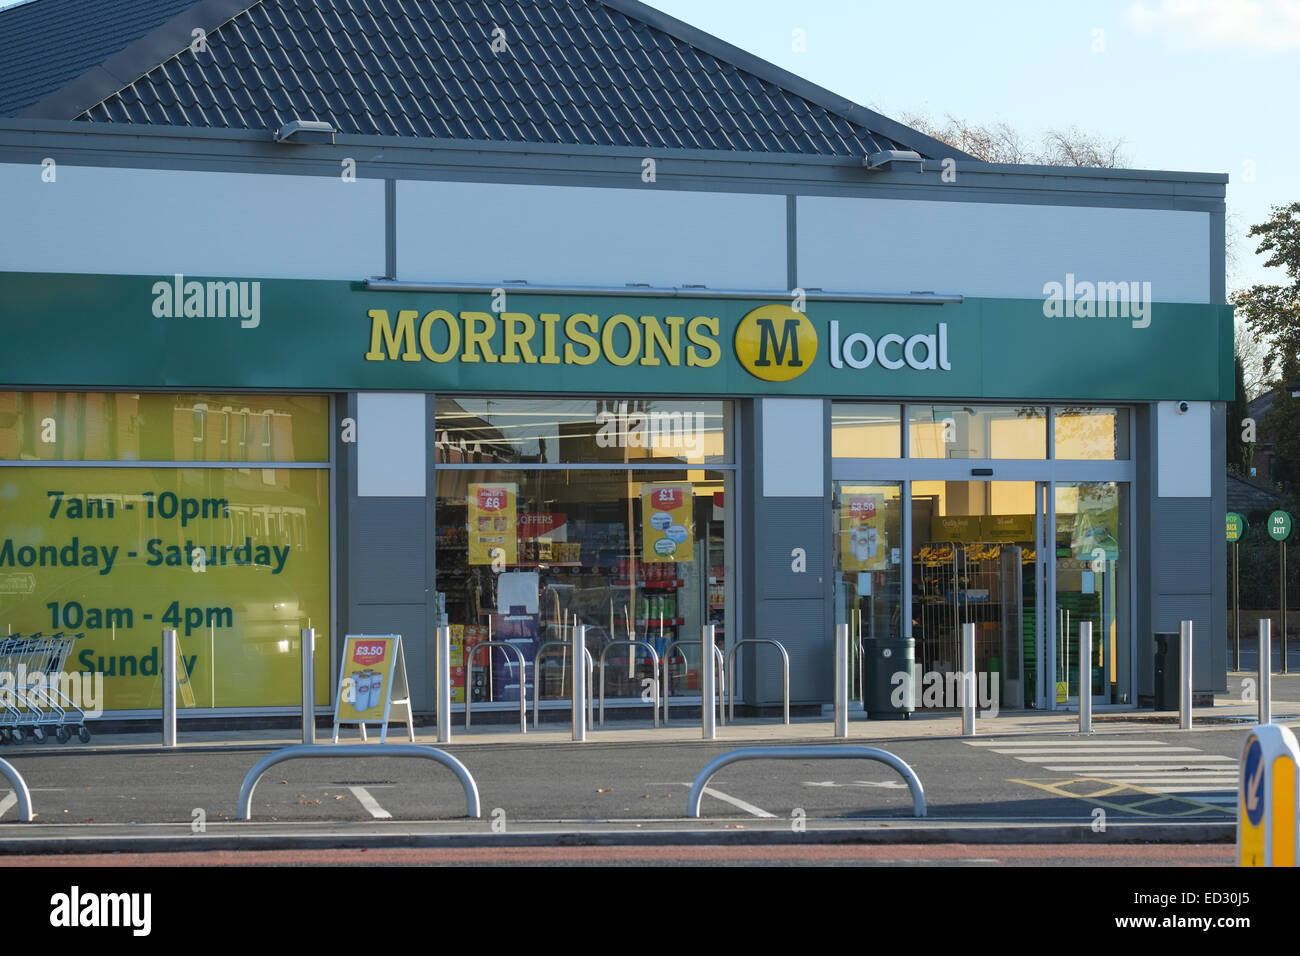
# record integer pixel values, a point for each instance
(514, 338)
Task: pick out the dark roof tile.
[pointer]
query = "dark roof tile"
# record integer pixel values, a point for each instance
(573, 72)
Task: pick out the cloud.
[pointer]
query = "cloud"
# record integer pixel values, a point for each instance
(1269, 25)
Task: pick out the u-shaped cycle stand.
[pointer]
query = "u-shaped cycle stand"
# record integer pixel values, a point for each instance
(21, 792)
(537, 678)
(523, 681)
(668, 681)
(731, 674)
(329, 752)
(805, 753)
(653, 657)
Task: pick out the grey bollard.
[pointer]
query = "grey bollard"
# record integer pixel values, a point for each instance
(169, 688)
(1185, 675)
(579, 684)
(968, 680)
(842, 680)
(708, 684)
(444, 684)
(308, 645)
(1085, 677)
(1265, 671)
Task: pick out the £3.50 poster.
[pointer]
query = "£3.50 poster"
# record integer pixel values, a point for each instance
(862, 533)
(493, 522)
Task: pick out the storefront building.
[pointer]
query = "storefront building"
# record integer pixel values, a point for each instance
(517, 346)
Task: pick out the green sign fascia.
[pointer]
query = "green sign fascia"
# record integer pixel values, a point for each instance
(102, 331)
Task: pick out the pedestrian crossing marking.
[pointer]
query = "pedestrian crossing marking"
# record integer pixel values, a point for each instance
(1144, 803)
(1179, 776)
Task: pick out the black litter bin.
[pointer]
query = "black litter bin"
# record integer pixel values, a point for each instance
(887, 695)
(1168, 655)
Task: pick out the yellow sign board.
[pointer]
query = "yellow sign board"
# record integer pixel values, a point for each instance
(667, 528)
(863, 544)
(493, 523)
(1268, 798)
(372, 680)
(236, 561)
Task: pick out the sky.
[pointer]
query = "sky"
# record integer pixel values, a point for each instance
(1206, 86)
(1192, 85)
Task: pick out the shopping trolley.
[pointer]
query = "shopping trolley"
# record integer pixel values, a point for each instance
(31, 696)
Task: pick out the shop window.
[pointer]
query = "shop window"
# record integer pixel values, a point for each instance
(1091, 433)
(632, 554)
(507, 431)
(982, 431)
(860, 430)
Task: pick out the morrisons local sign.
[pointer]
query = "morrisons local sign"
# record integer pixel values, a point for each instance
(96, 331)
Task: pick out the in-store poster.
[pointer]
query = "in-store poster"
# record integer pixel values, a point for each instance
(235, 561)
(493, 522)
(862, 537)
(366, 679)
(667, 529)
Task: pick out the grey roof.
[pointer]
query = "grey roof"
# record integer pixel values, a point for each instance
(47, 43)
(576, 72)
(1244, 496)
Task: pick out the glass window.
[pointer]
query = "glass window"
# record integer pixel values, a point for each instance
(496, 431)
(1093, 434)
(981, 431)
(859, 430)
(110, 556)
(524, 556)
(157, 426)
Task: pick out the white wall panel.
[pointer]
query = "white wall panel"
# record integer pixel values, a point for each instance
(390, 445)
(488, 233)
(1183, 450)
(793, 450)
(998, 249)
(160, 222)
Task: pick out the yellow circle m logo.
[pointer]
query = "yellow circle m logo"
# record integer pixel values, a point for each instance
(776, 343)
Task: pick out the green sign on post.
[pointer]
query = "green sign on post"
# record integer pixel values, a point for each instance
(1236, 527)
(1279, 525)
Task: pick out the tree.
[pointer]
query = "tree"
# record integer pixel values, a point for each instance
(1239, 452)
(999, 143)
(1272, 312)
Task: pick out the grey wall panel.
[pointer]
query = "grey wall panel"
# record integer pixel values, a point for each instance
(388, 552)
(801, 627)
(408, 620)
(783, 525)
(1182, 545)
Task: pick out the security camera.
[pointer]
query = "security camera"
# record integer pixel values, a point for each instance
(1183, 407)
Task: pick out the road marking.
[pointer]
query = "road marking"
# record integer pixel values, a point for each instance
(1094, 768)
(886, 784)
(740, 804)
(370, 803)
(1090, 749)
(8, 802)
(1067, 742)
(1130, 758)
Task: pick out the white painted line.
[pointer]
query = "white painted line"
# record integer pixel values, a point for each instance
(1112, 768)
(1171, 760)
(1092, 749)
(8, 802)
(1201, 782)
(1216, 798)
(741, 804)
(1066, 742)
(1181, 789)
(370, 803)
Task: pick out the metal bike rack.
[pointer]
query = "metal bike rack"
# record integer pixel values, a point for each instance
(805, 753)
(523, 681)
(472, 807)
(537, 691)
(653, 657)
(731, 673)
(717, 654)
(20, 790)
